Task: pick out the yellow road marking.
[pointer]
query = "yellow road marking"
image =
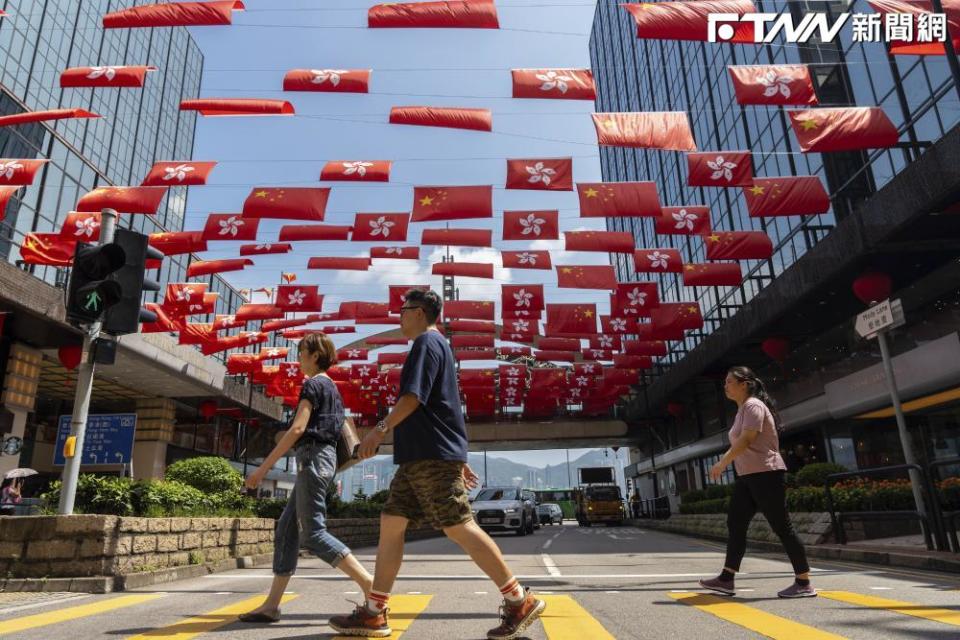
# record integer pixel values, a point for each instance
(403, 611)
(193, 627)
(766, 624)
(73, 613)
(565, 619)
(946, 616)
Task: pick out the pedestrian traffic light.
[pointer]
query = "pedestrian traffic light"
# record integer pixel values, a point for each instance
(126, 316)
(91, 291)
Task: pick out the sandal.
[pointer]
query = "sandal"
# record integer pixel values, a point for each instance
(259, 618)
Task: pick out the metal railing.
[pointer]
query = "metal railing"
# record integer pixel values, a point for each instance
(950, 516)
(654, 508)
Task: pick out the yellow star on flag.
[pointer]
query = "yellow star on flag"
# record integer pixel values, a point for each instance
(590, 193)
(609, 124)
(809, 124)
(714, 238)
(566, 270)
(426, 201)
(588, 313)
(756, 190)
(689, 267)
(261, 194)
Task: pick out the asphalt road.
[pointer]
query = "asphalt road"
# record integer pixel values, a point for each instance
(599, 583)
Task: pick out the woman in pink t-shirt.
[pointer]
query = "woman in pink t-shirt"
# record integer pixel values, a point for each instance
(755, 454)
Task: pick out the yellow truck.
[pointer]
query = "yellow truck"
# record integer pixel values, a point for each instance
(598, 499)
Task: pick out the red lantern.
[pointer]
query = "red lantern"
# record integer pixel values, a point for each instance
(872, 287)
(208, 409)
(676, 409)
(776, 348)
(70, 356)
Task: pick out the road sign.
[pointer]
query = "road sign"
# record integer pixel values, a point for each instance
(108, 439)
(886, 315)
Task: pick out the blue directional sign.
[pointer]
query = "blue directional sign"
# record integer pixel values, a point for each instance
(108, 439)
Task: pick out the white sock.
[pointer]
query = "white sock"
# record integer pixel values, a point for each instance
(512, 592)
(376, 602)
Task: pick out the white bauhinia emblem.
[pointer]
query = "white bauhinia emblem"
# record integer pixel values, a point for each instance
(183, 295)
(353, 353)
(391, 399)
(575, 393)
(588, 368)
(102, 72)
(7, 169)
(359, 167)
(527, 258)
(86, 227)
(606, 342)
(531, 224)
(263, 247)
(521, 326)
(252, 338)
(553, 80)
(381, 226)
(510, 392)
(685, 220)
(322, 75)
(540, 173)
(637, 298)
(230, 226)
(273, 353)
(774, 84)
(721, 168)
(296, 298)
(395, 251)
(226, 321)
(292, 372)
(523, 298)
(618, 325)
(178, 173)
(582, 381)
(658, 260)
(364, 372)
(513, 371)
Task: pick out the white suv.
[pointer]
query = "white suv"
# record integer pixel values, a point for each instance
(506, 509)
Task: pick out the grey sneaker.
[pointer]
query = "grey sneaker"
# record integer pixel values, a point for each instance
(796, 590)
(720, 586)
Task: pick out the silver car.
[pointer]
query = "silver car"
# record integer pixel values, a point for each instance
(550, 513)
(506, 509)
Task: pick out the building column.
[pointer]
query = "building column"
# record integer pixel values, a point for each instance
(155, 422)
(19, 395)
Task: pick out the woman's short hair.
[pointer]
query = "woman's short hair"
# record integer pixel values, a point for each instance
(427, 300)
(321, 344)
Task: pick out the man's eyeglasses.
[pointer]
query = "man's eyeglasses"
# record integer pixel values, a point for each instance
(402, 309)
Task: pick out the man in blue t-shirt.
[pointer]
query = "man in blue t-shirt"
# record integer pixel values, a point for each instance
(431, 485)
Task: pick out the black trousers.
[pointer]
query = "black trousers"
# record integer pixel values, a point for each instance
(764, 492)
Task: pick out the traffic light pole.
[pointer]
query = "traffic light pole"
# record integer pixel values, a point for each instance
(81, 399)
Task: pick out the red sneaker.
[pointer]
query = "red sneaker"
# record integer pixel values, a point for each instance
(514, 618)
(362, 623)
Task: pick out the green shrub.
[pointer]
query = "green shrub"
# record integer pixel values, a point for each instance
(158, 498)
(208, 474)
(806, 499)
(693, 496)
(815, 475)
(230, 503)
(949, 491)
(107, 495)
(717, 491)
(270, 507)
(716, 505)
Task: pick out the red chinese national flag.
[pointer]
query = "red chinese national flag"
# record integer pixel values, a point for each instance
(578, 319)
(452, 203)
(559, 344)
(451, 14)
(397, 294)
(636, 298)
(374, 227)
(657, 261)
(288, 203)
(356, 171)
(316, 232)
(206, 267)
(526, 260)
(105, 76)
(586, 277)
(606, 241)
(457, 237)
(692, 220)
(531, 225)
(681, 315)
(645, 347)
(843, 129)
(542, 174)
(174, 14)
(230, 226)
(557, 84)
(668, 130)
(726, 274)
(522, 297)
(689, 20)
(395, 253)
(447, 117)
(469, 341)
(172, 243)
(47, 248)
(472, 326)
(778, 84)
(265, 249)
(469, 309)
(463, 269)
(786, 196)
(123, 199)
(20, 172)
(82, 226)
(291, 297)
(916, 8)
(349, 264)
(719, 168)
(367, 310)
(177, 174)
(738, 245)
(618, 199)
(328, 80)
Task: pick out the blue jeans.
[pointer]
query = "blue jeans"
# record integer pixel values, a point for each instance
(304, 519)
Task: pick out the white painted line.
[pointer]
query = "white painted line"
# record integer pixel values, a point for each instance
(479, 593)
(224, 593)
(611, 592)
(746, 590)
(546, 545)
(34, 605)
(550, 565)
(351, 593)
(558, 535)
(882, 588)
(545, 593)
(528, 577)
(414, 593)
(679, 591)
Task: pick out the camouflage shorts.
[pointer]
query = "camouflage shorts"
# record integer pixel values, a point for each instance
(430, 491)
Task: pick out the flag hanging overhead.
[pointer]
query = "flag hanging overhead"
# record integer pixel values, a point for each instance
(348, 264)
(448, 117)
(287, 203)
(5, 194)
(526, 298)
(531, 225)
(843, 129)
(452, 203)
(106, 76)
(292, 297)
(692, 220)
(178, 173)
(356, 171)
(82, 226)
(230, 226)
(618, 199)
(42, 116)
(123, 199)
(374, 227)
(19, 172)
(174, 14)
(261, 311)
(238, 107)
(778, 84)
(668, 130)
(636, 298)
(265, 249)
(689, 20)
(786, 196)
(301, 232)
(605, 241)
(48, 249)
(395, 253)
(556, 84)
(719, 168)
(657, 261)
(542, 174)
(645, 347)
(910, 45)
(726, 274)
(172, 243)
(452, 14)
(463, 269)
(526, 260)
(469, 309)
(457, 237)
(738, 245)
(577, 319)
(206, 267)
(586, 277)
(328, 80)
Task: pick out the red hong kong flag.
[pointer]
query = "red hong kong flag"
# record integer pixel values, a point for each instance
(916, 8)
(614, 326)
(163, 324)
(472, 326)
(42, 116)
(843, 129)
(542, 174)
(557, 84)
(456, 14)
(786, 196)
(290, 203)
(356, 171)
(636, 298)
(465, 341)
(586, 277)
(725, 274)
(463, 269)
(578, 319)
(106, 76)
(531, 225)
(180, 295)
(559, 344)
(242, 363)
(230, 226)
(264, 249)
(19, 172)
(123, 199)
(223, 322)
(719, 169)
(692, 220)
(178, 173)
(457, 237)
(776, 84)
(349, 264)
(624, 361)
(47, 248)
(645, 347)
(374, 227)
(328, 80)
(5, 194)
(689, 20)
(522, 297)
(452, 203)
(291, 297)
(397, 294)
(526, 260)
(475, 354)
(277, 325)
(606, 241)
(515, 351)
(606, 342)
(657, 261)
(520, 325)
(469, 309)
(738, 245)
(300, 232)
(238, 107)
(206, 267)
(448, 117)
(367, 310)
(175, 14)
(668, 130)
(395, 253)
(82, 226)
(172, 243)
(344, 355)
(618, 199)
(251, 311)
